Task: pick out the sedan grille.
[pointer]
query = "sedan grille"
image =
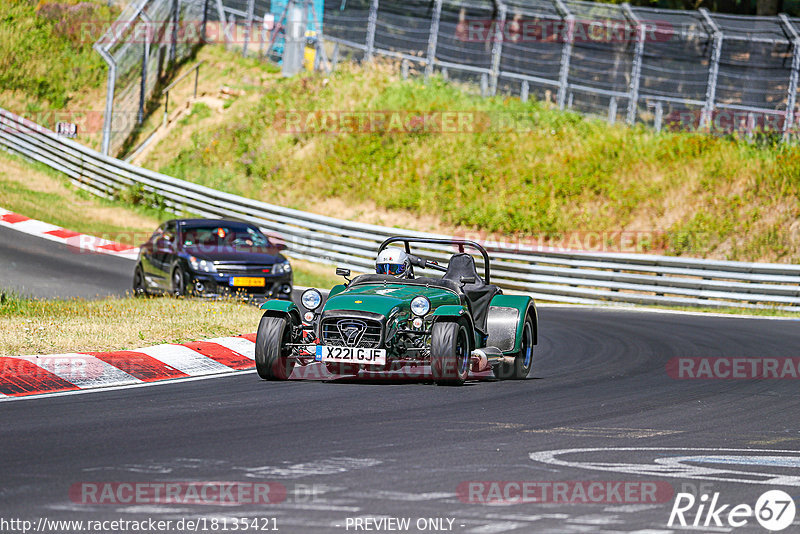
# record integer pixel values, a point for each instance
(244, 270)
(355, 332)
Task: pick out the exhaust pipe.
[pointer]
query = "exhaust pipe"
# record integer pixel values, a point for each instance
(479, 361)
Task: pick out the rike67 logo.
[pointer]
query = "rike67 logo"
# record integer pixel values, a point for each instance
(774, 510)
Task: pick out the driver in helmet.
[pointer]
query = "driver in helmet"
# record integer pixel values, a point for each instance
(394, 261)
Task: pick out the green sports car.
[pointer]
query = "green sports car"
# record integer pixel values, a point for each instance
(457, 323)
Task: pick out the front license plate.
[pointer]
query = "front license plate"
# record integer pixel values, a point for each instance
(247, 281)
(328, 353)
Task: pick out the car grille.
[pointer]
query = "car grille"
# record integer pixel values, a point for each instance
(351, 332)
(244, 270)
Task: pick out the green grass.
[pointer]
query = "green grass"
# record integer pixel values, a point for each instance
(535, 171)
(46, 50)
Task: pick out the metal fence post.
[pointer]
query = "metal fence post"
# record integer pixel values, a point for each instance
(433, 38)
(659, 116)
(371, 25)
(497, 45)
(713, 68)
(612, 110)
(248, 25)
(636, 68)
(174, 40)
(110, 86)
(204, 35)
(223, 23)
(143, 79)
(791, 97)
(566, 53)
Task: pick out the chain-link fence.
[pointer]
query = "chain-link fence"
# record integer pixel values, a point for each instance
(140, 47)
(671, 69)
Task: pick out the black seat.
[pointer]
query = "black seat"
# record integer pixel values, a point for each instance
(479, 294)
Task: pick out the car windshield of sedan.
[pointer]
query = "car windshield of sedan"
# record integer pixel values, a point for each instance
(221, 236)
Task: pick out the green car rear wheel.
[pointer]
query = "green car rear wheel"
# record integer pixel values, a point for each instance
(523, 360)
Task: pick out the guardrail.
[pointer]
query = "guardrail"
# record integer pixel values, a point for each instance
(555, 275)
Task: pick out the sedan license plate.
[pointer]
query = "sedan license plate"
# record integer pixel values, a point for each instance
(361, 355)
(247, 281)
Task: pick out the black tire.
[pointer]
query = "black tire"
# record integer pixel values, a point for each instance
(272, 352)
(523, 360)
(450, 353)
(178, 282)
(139, 286)
(347, 369)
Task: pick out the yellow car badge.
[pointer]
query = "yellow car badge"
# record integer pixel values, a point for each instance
(359, 302)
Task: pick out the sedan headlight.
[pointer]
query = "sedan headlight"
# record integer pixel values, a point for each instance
(202, 265)
(282, 268)
(311, 299)
(420, 305)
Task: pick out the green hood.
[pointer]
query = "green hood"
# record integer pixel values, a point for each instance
(387, 299)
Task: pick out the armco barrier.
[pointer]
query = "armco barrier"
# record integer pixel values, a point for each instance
(556, 275)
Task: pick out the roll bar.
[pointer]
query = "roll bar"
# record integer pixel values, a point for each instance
(460, 243)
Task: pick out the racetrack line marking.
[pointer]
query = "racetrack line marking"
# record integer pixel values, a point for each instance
(129, 386)
(680, 466)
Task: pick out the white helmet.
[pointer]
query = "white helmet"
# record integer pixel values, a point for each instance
(393, 261)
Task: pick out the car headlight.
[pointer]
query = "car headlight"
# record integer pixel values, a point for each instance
(282, 268)
(420, 305)
(202, 265)
(311, 299)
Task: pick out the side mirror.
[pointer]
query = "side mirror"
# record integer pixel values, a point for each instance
(342, 272)
(467, 280)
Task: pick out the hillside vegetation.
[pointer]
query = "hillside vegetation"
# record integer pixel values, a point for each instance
(46, 56)
(527, 170)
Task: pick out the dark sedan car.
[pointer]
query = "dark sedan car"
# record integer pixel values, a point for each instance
(212, 257)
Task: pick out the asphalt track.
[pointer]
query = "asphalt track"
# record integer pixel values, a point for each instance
(40, 268)
(348, 449)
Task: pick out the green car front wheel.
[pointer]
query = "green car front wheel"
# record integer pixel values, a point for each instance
(450, 353)
(272, 351)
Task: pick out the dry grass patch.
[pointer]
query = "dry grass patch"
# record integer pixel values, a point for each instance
(33, 326)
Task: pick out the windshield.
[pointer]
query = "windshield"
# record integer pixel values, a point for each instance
(222, 236)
